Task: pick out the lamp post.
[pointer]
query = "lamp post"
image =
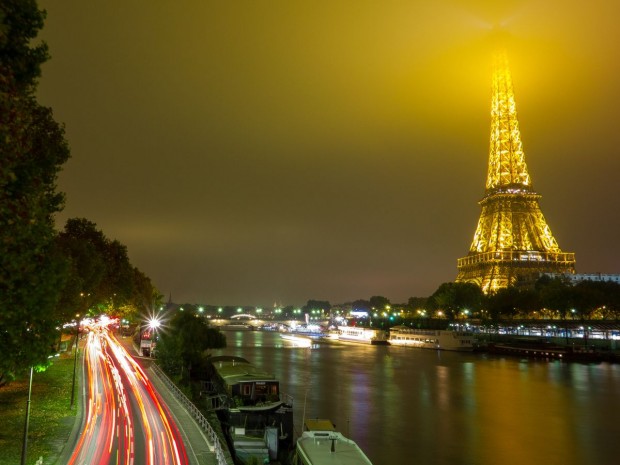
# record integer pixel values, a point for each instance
(25, 441)
(152, 324)
(77, 337)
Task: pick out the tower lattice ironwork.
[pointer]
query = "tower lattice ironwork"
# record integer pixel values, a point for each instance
(512, 238)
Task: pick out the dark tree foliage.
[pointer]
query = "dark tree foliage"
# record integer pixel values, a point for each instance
(417, 302)
(379, 302)
(453, 297)
(361, 305)
(32, 151)
(500, 304)
(555, 294)
(20, 62)
(183, 345)
(145, 297)
(589, 296)
(317, 305)
(101, 274)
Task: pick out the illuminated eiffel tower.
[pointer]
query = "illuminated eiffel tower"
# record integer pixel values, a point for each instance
(512, 239)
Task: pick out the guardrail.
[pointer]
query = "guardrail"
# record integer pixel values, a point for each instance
(197, 415)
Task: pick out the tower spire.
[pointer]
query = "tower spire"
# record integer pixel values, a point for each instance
(506, 158)
(512, 239)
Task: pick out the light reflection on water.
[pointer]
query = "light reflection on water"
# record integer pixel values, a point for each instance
(405, 405)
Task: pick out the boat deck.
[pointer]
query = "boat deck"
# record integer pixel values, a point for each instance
(323, 445)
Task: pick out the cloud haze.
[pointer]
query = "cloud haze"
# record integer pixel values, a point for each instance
(253, 152)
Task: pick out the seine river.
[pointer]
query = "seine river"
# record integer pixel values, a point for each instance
(413, 406)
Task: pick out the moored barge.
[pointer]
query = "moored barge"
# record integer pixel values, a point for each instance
(255, 417)
(544, 350)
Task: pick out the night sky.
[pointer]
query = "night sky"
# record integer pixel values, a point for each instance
(261, 152)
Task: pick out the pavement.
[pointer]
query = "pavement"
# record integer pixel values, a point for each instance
(199, 451)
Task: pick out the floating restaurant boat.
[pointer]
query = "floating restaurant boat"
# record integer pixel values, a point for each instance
(431, 339)
(544, 350)
(358, 335)
(256, 419)
(321, 444)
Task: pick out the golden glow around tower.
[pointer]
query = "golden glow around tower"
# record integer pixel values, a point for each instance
(512, 239)
(506, 159)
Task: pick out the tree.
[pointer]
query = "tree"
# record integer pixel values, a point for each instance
(32, 150)
(417, 303)
(145, 298)
(101, 276)
(183, 345)
(503, 303)
(361, 305)
(453, 297)
(317, 305)
(379, 302)
(592, 296)
(555, 294)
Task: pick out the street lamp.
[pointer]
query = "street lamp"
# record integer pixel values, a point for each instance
(25, 441)
(152, 324)
(77, 337)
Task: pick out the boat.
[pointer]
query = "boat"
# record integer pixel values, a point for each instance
(358, 335)
(431, 338)
(297, 340)
(321, 444)
(256, 418)
(540, 348)
(312, 331)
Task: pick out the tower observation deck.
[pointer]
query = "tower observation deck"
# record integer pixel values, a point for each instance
(512, 238)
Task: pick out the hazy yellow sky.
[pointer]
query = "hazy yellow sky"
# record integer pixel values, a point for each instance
(252, 152)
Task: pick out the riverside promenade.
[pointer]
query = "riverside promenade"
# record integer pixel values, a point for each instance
(201, 442)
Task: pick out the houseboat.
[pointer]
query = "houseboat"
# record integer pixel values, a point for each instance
(358, 335)
(431, 339)
(540, 348)
(321, 444)
(255, 417)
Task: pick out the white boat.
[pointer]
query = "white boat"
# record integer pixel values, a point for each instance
(431, 338)
(297, 340)
(321, 444)
(359, 335)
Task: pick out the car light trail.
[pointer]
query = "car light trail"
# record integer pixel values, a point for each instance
(125, 421)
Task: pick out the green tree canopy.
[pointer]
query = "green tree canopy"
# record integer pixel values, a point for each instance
(32, 150)
(101, 277)
(379, 302)
(453, 297)
(317, 305)
(184, 342)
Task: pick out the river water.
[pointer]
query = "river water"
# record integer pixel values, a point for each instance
(413, 406)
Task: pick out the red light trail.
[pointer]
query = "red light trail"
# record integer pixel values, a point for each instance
(125, 422)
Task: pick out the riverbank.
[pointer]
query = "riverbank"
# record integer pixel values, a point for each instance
(51, 418)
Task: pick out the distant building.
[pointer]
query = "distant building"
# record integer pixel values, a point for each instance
(579, 277)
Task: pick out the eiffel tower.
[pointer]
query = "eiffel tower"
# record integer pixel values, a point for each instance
(512, 239)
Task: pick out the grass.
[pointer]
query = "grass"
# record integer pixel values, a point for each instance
(51, 419)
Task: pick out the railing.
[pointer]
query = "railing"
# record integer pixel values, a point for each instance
(197, 414)
(532, 257)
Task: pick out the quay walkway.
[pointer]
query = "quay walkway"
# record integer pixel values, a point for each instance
(201, 442)
(202, 445)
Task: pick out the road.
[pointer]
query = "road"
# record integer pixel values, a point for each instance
(125, 422)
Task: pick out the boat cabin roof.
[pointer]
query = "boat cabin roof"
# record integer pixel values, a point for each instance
(235, 370)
